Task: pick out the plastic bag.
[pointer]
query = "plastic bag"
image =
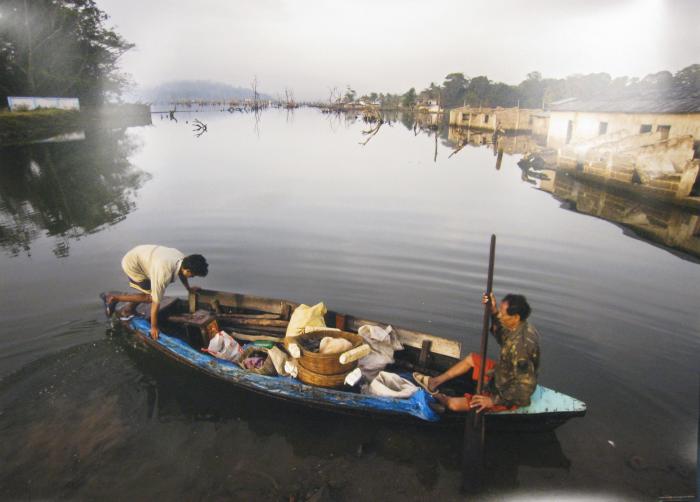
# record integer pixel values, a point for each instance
(391, 385)
(304, 316)
(223, 346)
(383, 343)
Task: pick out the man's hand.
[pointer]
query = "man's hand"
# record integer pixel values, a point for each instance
(154, 319)
(491, 300)
(481, 403)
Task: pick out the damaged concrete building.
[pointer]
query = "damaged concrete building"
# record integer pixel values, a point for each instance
(492, 119)
(650, 142)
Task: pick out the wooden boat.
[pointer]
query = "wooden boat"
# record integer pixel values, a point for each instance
(184, 325)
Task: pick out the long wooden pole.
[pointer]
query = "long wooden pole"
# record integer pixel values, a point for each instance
(475, 425)
(487, 316)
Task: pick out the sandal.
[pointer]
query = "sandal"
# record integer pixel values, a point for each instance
(422, 380)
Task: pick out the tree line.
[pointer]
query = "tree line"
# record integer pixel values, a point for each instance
(537, 92)
(59, 48)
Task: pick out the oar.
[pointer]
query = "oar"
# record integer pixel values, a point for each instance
(474, 426)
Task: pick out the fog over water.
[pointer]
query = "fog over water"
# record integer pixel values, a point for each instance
(391, 46)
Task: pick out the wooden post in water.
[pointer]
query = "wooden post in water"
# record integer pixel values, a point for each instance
(475, 425)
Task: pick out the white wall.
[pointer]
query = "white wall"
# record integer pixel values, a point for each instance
(31, 103)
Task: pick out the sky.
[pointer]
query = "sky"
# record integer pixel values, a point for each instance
(312, 46)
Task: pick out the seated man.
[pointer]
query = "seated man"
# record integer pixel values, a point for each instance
(150, 269)
(508, 382)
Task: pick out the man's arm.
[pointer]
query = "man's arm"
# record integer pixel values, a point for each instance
(154, 320)
(186, 283)
(496, 326)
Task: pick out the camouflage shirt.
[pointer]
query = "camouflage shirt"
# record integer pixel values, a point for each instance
(515, 375)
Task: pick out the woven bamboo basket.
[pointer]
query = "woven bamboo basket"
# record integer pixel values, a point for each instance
(331, 381)
(327, 364)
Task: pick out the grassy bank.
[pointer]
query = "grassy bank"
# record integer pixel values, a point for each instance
(24, 127)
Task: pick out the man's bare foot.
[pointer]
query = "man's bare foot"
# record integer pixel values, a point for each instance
(431, 384)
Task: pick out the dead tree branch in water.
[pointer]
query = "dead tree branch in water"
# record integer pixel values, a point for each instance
(289, 98)
(457, 150)
(436, 146)
(199, 127)
(372, 132)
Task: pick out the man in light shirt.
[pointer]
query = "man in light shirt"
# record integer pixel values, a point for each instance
(150, 270)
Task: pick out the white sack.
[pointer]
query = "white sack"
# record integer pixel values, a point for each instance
(383, 343)
(330, 345)
(392, 385)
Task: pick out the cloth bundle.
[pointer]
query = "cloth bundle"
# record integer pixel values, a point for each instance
(383, 342)
(304, 316)
(330, 345)
(391, 385)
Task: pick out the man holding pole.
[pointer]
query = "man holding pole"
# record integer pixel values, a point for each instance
(510, 381)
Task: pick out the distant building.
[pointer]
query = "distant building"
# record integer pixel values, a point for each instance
(428, 106)
(576, 120)
(539, 123)
(651, 142)
(492, 119)
(34, 103)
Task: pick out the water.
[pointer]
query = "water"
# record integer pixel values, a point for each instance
(292, 205)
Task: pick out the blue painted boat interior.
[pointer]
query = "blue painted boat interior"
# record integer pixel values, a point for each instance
(543, 400)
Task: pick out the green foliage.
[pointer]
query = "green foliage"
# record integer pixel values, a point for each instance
(688, 78)
(536, 91)
(453, 89)
(66, 190)
(408, 100)
(59, 48)
(349, 95)
(22, 127)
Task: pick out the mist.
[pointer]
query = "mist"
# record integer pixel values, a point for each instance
(391, 46)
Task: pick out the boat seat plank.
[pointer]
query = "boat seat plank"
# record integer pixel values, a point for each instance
(245, 302)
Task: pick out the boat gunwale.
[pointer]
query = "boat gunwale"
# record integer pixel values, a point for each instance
(557, 416)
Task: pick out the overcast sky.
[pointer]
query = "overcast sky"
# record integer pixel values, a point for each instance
(392, 45)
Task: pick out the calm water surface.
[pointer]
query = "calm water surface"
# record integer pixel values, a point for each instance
(293, 206)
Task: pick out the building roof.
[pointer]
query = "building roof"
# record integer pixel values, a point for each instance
(647, 103)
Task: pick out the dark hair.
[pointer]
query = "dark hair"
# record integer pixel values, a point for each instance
(196, 264)
(517, 304)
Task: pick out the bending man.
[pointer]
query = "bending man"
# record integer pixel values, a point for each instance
(508, 382)
(150, 269)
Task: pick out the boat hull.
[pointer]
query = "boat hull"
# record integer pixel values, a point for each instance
(548, 410)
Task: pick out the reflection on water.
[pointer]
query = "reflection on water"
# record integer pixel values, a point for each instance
(394, 230)
(510, 144)
(66, 189)
(169, 431)
(665, 225)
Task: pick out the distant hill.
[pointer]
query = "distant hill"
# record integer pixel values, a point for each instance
(180, 90)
